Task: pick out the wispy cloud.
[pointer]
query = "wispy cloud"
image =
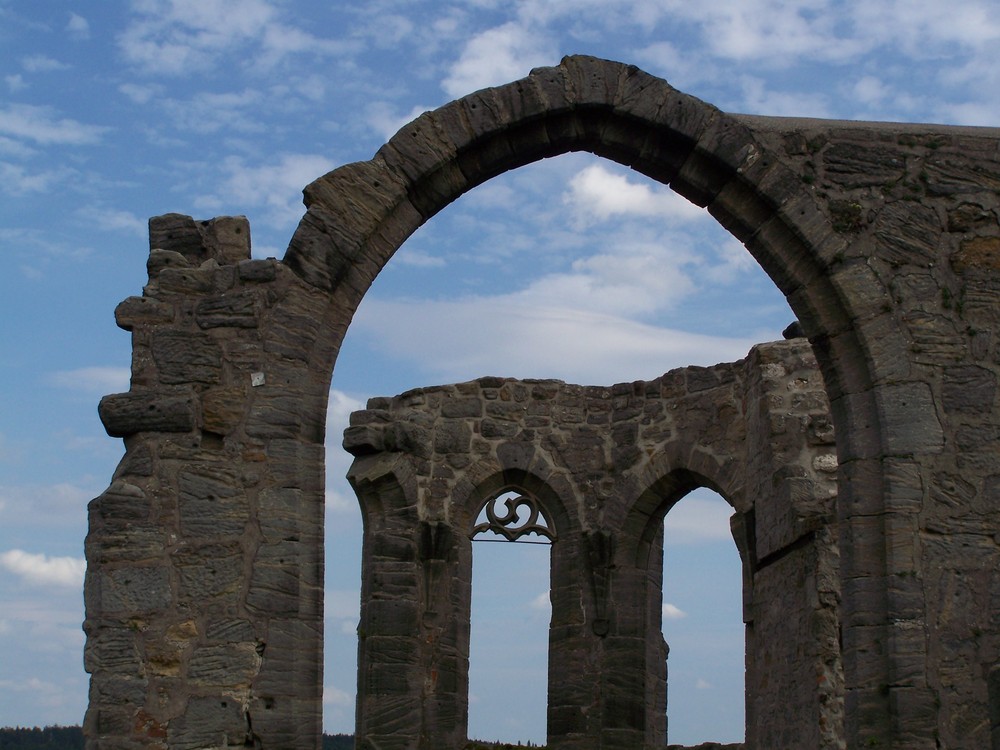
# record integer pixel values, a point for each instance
(673, 612)
(698, 519)
(466, 339)
(180, 37)
(18, 180)
(15, 82)
(42, 64)
(498, 55)
(275, 186)
(598, 194)
(387, 122)
(78, 26)
(116, 220)
(57, 504)
(340, 499)
(93, 380)
(209, 112)
(44, 570)
(44, 126)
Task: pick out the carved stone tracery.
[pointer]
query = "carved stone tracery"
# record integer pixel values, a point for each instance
(509, 523)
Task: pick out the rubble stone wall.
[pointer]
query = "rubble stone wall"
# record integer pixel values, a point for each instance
(602, 465)
(204, 585)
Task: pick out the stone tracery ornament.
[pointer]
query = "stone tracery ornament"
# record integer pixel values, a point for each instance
(512, 523)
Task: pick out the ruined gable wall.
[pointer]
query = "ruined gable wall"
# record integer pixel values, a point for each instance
(883, 237)
(204, 584)
(607, 463)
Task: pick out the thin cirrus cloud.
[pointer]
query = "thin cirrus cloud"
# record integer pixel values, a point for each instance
(180, 37)
(44, 570)
(95, 380)
(44, 126)
(462, 340)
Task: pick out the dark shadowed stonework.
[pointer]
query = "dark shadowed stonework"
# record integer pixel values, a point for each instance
(205, 580)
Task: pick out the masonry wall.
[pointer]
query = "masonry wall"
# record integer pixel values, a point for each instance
(885, 240)
(205, 579)
(604, 465)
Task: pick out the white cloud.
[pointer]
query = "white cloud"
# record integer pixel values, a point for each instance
(95, 380)
(542, 602)
(673, 612)
(340, 499)
(44, 570)
(78, 26)
(141, 94)
(870, 90)
(209, 112)
(498, 55)
(177, 37)
(773, 33)
(275, 186)
(598, 194)
(42, 64)
(386, 122)
(335, 697)
(339, 409)
(15, 82)
(696, 519)
(17, 180)
(702, 684)
(758, 98)
(465, 339)
(117, 221)
(418, 259)
(43, 126)
(60, 503)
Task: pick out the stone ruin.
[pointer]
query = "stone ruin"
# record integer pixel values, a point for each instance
(595, 470)
(862, 461)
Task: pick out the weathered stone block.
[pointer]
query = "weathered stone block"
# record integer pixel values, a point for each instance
(187, 357)
(136, 589)
(125, 414)
(239, 310)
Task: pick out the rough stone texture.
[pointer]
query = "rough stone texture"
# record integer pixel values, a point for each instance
(602, 466)
(884, 239)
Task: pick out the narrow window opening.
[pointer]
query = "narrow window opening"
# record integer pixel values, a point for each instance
(703, 622)
(511, 611)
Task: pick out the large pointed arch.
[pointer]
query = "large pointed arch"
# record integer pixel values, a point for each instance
(359, 215)
(882, 237)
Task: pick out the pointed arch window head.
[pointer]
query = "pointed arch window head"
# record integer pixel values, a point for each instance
(513, 514)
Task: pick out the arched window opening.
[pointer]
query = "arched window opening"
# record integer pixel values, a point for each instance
(511, 610)
(703, 622)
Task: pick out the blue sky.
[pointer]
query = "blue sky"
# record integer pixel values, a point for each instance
(574, 268)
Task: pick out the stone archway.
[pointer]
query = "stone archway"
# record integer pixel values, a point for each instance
(204, 587)
(604, 464)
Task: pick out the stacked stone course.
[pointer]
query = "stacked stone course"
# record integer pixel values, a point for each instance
(204, 586)
(605, 464)
(205, 575)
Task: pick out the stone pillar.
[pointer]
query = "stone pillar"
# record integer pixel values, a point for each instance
(205, 579)
(413, 650)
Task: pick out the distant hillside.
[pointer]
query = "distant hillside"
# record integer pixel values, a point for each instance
(71, 738)
(49, 738)
(338, 742)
